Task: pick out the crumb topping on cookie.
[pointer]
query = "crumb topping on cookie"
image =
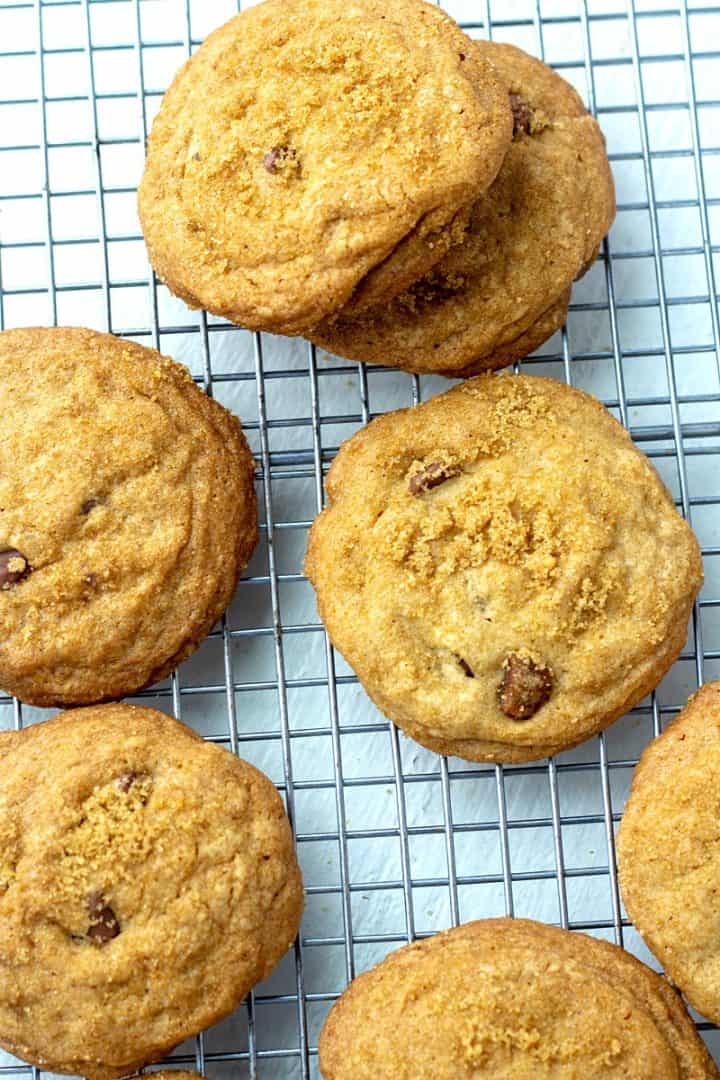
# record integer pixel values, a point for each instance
(147, 882)
(511, 998)
(502, 567)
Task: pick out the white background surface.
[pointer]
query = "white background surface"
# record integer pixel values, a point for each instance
(342, 755)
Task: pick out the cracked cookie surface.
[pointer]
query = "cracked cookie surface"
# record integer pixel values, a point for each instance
(511, 999)
(118, 814)
(668, 850)
(532, 233)
(127, 513)
(305, 142)
(502, 568)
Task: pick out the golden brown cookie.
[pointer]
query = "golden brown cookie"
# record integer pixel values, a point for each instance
(174, 1074)
(669, 850)
(127, 513)
(147, 882)
(305, 141)
(530, 236)
(503, 569)
(513, 1000)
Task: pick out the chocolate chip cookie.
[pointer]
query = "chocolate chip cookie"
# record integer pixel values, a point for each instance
(308, 140)
(127, 512)
(147, 882)
(535, 231)
(668, 851)
(512, 999)
(503, 569)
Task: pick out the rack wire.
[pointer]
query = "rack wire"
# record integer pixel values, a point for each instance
(395, 842)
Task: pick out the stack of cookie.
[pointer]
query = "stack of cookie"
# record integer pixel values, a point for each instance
(370, 177)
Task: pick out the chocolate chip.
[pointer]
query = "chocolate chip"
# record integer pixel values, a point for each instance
(270, 160)
(522, 114)
(434, 289)
(437, 472)
(126, 781)
(466, 667)
(196, 157)
(13, 567)
(525, 687)
(104, 925)
(91, 580)
(277, 157)
(106, 928)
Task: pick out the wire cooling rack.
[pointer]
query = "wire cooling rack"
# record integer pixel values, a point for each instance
(394, 841)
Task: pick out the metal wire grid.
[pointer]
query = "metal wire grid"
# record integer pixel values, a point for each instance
(418, 841)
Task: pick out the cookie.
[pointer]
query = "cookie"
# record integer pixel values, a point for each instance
(535, 231)
(304, 142)
(667, 850)
(502, 568)
(147, 882)
(173, 1074)
(127, 515)
(512, 999)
